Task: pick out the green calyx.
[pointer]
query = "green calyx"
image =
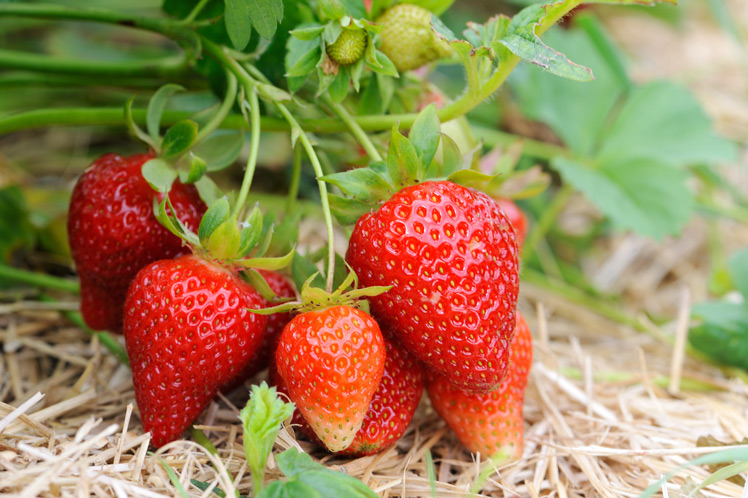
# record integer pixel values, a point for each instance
(426, 154)
(407, 38)
(223, 239)
(349, 47)
(316, 299)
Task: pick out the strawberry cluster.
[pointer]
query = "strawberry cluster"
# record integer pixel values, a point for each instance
(438, 263)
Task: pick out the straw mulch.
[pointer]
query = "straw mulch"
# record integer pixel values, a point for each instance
(608, 410)
(600, 419)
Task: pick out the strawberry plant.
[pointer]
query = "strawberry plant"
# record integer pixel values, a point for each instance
(330, 112)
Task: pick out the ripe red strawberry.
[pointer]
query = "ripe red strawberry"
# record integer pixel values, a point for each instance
(489, 423)
(188, 331)
(332, 363)
(391, 409)
(113, 232)
(451, 257)
(516, 217)
(275, 324)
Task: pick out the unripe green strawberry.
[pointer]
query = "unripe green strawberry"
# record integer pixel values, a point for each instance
(349, 47)
(407, 38)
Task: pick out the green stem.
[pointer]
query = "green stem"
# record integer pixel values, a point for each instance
(170, 28)
(195, 12)
(114, 116)
(167, 67)
(8, 273)
(293, 189)
(550, 214)
(304, 139)
(25, 80)
(223, 111)
(254, 147)
(354, 128)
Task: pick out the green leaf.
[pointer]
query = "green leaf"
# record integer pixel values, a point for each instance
(664, 121)
(308, 33)
(288, 489)
(265, 16)
(362, 184)
(611, 54)
(179, 138)
(739, 272)
(196, 171)
(237, 18)
(576, 112)
(272, 264)
(643, 195)
(174, 478)
(403, 163)
(208, 190)
(522, 41)
(220, 149)
(424, 134)
(251, 232)
(333, 9)
(261, 420)
(305, 63)
(723, 333)
(159, 174)
(156, 107)
(451, 159)
(470, 178)
(134, 128)
(300, 467)
(225, 240)
(730, 455)
(354, 8)
(340, 85)
(382, 64)
(346, 210)
(217, 214)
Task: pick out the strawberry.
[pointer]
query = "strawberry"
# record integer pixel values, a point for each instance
(489, 423)
(188, 330)
(407, 38)
(516, 217)
(275, 324)
(451, 257)
(332, 361)
(349, 47)
(113, 232)
(391, 409)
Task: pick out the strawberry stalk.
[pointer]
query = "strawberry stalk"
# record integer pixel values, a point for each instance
(550, 214)
(42, 280)
(293, 188)
(254, 147)
(223, 111)
(354, 128)
(296, 129)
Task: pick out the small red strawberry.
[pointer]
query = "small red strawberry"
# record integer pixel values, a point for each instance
(332, 362)
(489, 423)
(391, 409)
(275, 324)
(451, 256)
(516, 217)
(113, 232)
(188, 330)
